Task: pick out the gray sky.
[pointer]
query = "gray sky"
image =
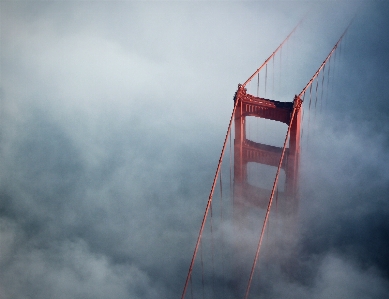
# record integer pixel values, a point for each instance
(113, 115)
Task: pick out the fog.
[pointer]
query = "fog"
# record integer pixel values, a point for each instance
(113, 115)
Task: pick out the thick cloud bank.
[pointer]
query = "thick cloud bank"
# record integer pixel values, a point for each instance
(112, 118)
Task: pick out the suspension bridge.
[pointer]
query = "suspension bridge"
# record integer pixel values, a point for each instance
(237, 242)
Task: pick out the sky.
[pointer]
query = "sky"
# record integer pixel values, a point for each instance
(113, 115)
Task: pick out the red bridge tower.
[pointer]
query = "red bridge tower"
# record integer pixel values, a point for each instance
(246, 151)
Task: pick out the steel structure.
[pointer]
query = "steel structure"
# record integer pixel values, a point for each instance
(246, 151)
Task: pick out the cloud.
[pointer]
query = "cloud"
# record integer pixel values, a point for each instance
(70, 269)
(112, 118)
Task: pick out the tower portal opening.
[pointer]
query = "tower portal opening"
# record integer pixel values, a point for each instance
(262, 176)
(265, 131)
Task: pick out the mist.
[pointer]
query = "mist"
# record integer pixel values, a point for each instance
(113, 115)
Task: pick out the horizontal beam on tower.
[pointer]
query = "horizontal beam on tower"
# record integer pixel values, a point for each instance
(262, 153)
(265, 108)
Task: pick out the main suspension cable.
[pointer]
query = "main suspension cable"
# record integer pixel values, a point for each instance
(325, 61)
(274, 53)
(210, 196)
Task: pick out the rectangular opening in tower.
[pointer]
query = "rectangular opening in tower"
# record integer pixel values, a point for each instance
(265, 131)
(262, 176)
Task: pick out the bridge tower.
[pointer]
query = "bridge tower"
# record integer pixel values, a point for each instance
(248, 198)
(246, 151)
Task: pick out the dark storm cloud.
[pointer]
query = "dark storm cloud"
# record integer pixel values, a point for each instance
(113, 115)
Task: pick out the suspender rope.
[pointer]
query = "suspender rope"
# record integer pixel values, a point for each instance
(324, 62)
(271, 56)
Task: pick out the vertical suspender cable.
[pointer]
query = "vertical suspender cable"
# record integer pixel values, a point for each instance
(280, 81)
(258, 86)
(202, 269)
(265, 79)
(221, 222)
(317, 85)
(221, 197)
(272, 55)
(328, 82)
(212, 251)
(302, 120)
(322, 88)
(309, 113)
(191, 287)
(324, 62)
